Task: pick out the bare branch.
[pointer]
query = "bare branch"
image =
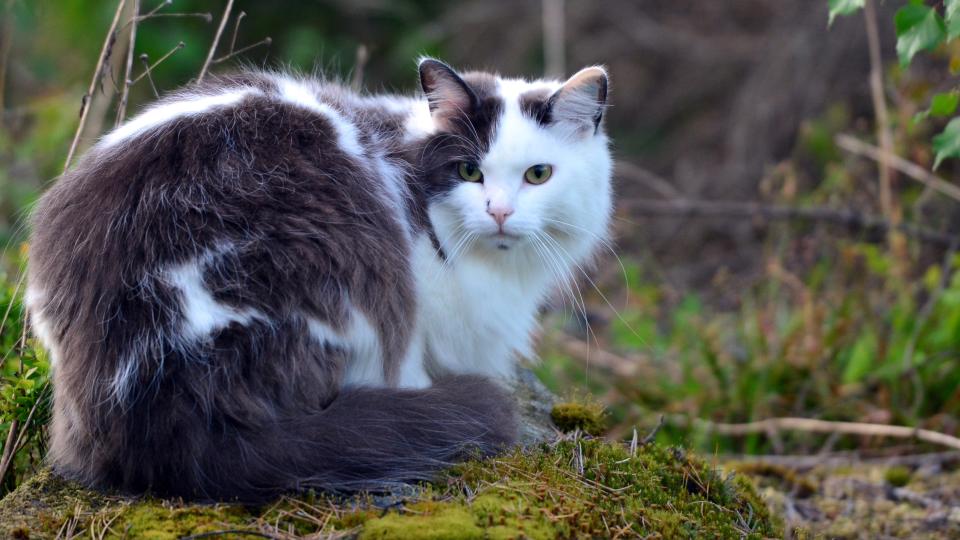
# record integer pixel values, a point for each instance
(880, 109)
(145, 60)
(216, 41)
(97, 73)
(151, 67)
(855, 222)
(553, 38)
(125, 92)
(813, 425)
(918, 173)
(265, 41)
(359, 66)
(236, 29)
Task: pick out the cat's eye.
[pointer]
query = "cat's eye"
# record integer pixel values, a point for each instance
(538, 174)
(470, 172)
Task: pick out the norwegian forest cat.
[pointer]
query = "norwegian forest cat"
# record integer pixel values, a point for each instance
(268, 283)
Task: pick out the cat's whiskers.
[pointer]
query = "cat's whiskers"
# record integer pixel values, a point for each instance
(570, 278)
(616, 312)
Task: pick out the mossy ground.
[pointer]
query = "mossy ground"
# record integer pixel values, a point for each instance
(574, 487)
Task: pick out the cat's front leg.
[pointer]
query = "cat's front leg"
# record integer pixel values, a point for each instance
(413, 373)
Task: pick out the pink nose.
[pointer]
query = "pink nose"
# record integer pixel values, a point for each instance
(500, 215)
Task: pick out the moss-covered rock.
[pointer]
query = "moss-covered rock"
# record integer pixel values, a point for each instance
(570, 488)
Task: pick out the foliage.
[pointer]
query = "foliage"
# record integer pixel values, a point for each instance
(24, 390)
(920, 27)
(573, 488)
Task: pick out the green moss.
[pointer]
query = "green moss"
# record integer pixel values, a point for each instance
(572, 488)
(448, 522)
(155, 520)
(897, 476)
(588, 417)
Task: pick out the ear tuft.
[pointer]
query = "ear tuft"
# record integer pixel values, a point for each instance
(446, 92)
(580, 102)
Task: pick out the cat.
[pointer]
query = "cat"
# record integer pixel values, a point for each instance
(265, 283)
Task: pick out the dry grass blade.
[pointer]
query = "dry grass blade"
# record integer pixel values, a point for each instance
(125, 92)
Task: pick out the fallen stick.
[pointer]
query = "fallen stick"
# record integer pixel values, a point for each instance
(825, 426)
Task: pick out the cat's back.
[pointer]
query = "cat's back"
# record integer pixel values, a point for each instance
(257, 183)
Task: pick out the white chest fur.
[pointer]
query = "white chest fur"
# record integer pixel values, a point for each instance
(475, 317)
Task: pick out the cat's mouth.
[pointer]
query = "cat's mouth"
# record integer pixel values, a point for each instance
(503, 240)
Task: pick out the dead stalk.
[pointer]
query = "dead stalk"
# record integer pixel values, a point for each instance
(125, 92)
(97, 74)
(216, 41)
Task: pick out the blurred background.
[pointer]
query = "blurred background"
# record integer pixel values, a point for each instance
(777, 250)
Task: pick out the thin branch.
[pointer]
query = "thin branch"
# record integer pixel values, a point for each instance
(653, 432)
(812, 425)
(216, 41)
(145, 60)
(265, 41)
(6, 45)
(553, 38)
(125, 92)
(853, 221)
(97, 73)
(359, 66)
(918, 173)
(880, 110)
(236, 29)
(144, 57)
(636, 173)
(8, 448)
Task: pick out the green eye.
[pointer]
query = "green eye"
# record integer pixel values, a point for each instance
(470, 172)
(538, 174)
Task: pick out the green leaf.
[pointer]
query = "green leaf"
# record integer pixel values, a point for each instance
(845, 7)
(941, 105)
(862, 358)
(952, 10)
(919, 28)
(947, 144)
(944, 104)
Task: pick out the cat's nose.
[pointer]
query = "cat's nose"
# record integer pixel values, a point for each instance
(499, 214)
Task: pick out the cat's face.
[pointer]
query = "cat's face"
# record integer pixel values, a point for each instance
(517, 165)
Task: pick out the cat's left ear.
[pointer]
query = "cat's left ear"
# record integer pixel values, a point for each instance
(579, 104)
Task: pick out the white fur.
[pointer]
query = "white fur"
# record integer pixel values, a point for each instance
(202, 314)
(479, 309)
(365, 363)
(41, 327)
(300, 94)
(167, 111)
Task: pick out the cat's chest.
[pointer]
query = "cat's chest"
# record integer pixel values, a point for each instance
(474, 320)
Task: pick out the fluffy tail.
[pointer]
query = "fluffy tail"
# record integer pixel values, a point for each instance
(367, 438)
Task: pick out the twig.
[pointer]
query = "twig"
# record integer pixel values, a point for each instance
(854, 221)
(265, 41)
(825, 426)
(145, 60)
(97, 73)
(630, 171)
(918, 173)
(8, 452)
(149, 68)
(653, 432)
(359, 65)
(6, 44)
(125, 92)
(553, 37)
(216, 41)
(236, 29)
(844, 459)
(880, 110)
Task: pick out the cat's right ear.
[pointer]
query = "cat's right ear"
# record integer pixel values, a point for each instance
(447, 93)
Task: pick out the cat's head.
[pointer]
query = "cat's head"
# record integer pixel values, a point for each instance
(512, 164)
